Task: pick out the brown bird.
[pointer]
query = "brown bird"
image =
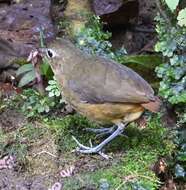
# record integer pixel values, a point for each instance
(100, 89)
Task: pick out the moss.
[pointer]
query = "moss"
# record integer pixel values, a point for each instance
(66, 127)
(76, 13)
(155, 137)
(137, 153)
(133, 156)
(18, 142)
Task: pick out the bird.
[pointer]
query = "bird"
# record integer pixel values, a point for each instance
(100, 89)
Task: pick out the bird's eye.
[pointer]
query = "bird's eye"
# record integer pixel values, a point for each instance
(50, 53)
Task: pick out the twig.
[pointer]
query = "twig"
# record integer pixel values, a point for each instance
(129, 178)
(120, 185)
(44, 152)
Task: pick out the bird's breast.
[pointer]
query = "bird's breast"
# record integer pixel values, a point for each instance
(108, 113)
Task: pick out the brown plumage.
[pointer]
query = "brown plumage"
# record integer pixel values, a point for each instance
(99, 88)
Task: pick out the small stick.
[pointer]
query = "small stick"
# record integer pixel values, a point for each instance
(44, 152)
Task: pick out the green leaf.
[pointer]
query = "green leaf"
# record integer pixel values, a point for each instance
(57, 93)
(172, 4)
(51, 94)
(46, 69)
(47, 109)
(147, 61)
(27, 78)
(25, 68)
(41, 35)
(41, 109)
(49, 88)
(182, 156)
(52, 82)
(144, 65)
(182, 17)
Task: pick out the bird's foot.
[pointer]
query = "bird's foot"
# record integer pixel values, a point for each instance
(97, 149)
(90, 149)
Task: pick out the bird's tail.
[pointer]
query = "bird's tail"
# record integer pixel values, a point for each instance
(153, 106)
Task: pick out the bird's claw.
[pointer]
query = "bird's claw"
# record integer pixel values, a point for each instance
(88, 150)
(97, 149)
(107, 157)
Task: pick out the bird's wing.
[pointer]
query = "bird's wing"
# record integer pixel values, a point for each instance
(98, 80)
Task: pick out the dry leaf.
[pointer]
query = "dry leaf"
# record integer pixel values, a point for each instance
(56, 186)
(67, 172)
(8, 162)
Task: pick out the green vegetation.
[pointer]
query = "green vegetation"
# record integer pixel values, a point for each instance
(133, 154)
(53, 88)
(17, 143)
(180, 157)
(130, 169)
(92, 39)
(34, 105)
(172, 44)
(70, 125)
(171, 29)
(36, 69)
(29, 74)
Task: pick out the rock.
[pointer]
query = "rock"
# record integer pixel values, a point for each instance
(21, 24)
(106, 6)
(116, 12)
(20, 28)
(8, 54)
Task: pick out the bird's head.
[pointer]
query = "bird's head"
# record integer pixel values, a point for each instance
(58, 52)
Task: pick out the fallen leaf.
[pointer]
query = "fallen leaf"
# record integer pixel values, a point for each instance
(56, 186)
(67, 172)
(8, 162)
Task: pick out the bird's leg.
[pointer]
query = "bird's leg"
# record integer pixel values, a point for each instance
(97, 149)
(102, 131)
